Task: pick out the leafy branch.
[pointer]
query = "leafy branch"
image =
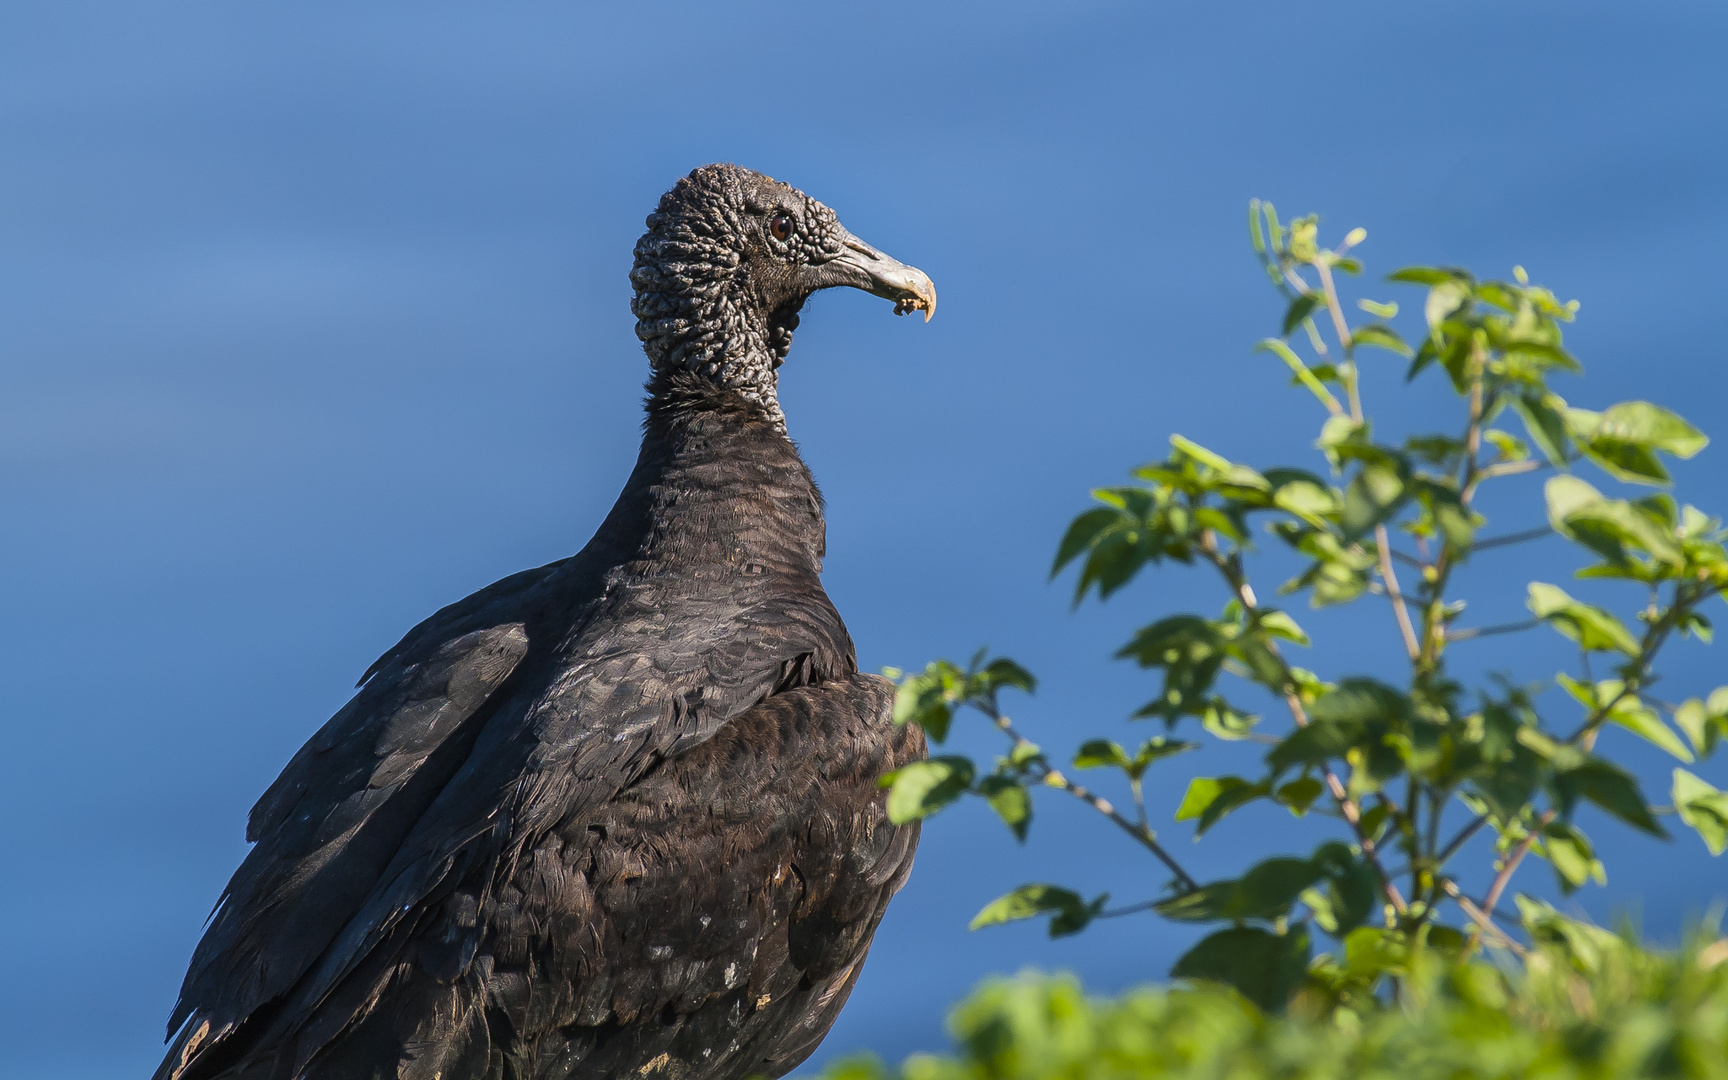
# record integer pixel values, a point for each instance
(1372, 506)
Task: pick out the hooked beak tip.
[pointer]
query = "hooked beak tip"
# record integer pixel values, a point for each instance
(922, 300)
(909, 287)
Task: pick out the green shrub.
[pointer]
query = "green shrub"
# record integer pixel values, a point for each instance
(1628, 1012)
(1366, 949)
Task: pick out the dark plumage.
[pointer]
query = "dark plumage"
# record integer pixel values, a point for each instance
(616, 815)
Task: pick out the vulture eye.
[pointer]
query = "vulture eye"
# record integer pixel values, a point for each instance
(780, 225)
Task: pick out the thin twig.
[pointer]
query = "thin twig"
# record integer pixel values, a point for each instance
(1509, 468)
(1648, 647)
(1512, 538)
(1139, 831)
(1390, 577)
(1459, 841)
(1340, 795)
(1481, 919)
(1408, 560)
(1510, 866)
(1470, 632)
(1131, 909)
(1347, 371)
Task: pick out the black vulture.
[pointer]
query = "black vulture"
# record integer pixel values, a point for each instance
(618, 814)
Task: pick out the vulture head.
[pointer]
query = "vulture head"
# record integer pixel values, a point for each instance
(728, 260)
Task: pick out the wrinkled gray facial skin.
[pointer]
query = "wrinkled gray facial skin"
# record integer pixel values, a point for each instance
(718, 293)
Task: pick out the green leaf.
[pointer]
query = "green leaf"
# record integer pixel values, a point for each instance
(1221, 720)
(924, 787)
(1274, 231)
(1280, 625)
(1208, 903)
(1355, 714)
(1268, 889)
(1265, 968)
(1071, 913)
(1374, 819)
(1099, 753)
(1300, 308)
(929, 697)
(1381, 336)
(1299, 794)
(1351, 893)
(1444, 298)
(1359, 700)
(1011, 801)
(1191, 650)
(1544, 418)
(1209, 798)
(1157, 748)
(1436, 449)
(1303, 373)
(1610, 788)
(1573, 858)
(1371, 952)
(1607, 526)
(1378, 310)
(1625, 438)
(1373, 495)
(1453, 520)
(1590, 626)
(1704, 808)
(1003, 673)
(1644, 722)
(1650, 425)
(1303, 494)
(1690, 717)
(1566, 495)
(1083, 533)
(1625, 461)
(1341, 430)
(1200, 453)
(1628, 712)
(1704, 722)
(1024, 753)
(1511, 447)
(1587, 945)
(1428, 275)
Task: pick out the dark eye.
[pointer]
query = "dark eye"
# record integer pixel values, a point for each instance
(780, 226)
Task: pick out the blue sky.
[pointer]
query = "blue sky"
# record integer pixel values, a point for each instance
(315, 317)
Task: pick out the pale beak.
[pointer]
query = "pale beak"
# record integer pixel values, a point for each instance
(863, 267)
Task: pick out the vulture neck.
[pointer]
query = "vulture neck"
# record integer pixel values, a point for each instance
(718, 485)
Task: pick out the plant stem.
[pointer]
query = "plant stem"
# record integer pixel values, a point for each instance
(1510, 866)
(1340, 795)
(1347, 370)
(1054, 778)
(1489, 631)
(1390, 577)
(1513, 538)
(1654, 638)
(1481, 919)
(1463, 837)
(1509, 468)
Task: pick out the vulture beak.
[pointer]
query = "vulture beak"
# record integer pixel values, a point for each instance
(863, 267)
